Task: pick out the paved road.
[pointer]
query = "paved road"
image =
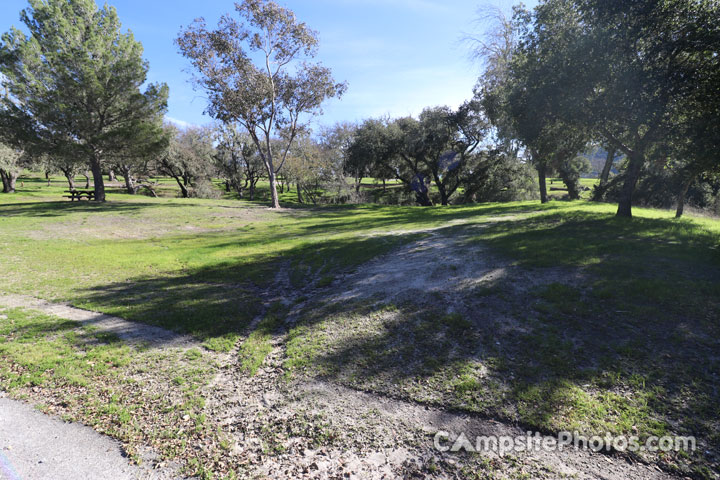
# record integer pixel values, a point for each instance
(35, 446)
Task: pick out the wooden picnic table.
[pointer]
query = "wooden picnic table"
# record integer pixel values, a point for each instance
(79, 194)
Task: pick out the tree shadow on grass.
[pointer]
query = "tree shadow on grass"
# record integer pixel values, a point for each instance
(579, 238)
(630, 347)
(376, 218)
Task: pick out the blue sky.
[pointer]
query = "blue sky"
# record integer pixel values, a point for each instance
(397, 56)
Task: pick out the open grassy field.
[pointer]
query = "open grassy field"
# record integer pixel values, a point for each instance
(557, 189)
(553, 317)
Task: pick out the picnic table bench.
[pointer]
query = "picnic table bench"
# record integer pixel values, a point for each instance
(79, 194)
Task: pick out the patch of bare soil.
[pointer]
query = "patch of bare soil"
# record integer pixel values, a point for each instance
(314, 428)
(244, 212)
(442, 264)
(102, 227)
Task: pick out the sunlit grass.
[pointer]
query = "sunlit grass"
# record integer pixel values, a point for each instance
(625, 342)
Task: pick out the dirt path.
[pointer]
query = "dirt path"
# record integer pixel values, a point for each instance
(311, 428)
(130, 332)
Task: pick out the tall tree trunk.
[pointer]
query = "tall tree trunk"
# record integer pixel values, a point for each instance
(384, 186)
(443, 194)
(441, 188)
(299, 193)
(572, 184)
(111, 176)
(542, 180)
(12, 178)
(9, 178)
(632, 175)
(683, 193)
(267, 157)
(423, 199)
(605, 175)
(129, 184)
(98, 179)
(273, 188)
(601, 188)
(87, 179)
(69, 174)
(5, 181)
(422, 193)
(252, 190)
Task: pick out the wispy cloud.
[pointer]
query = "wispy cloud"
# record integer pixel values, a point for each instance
(178, 122)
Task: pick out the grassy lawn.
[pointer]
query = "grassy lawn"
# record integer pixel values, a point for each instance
(598, 324)
(192, 265)
(187, 264)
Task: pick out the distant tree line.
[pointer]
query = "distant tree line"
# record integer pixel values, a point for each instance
(638, 81)
(640, 78)
(440, 154)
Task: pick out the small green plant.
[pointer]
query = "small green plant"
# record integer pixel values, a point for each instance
(258, 344)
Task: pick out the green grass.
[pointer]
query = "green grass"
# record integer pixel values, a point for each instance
(188, 264)
(622, 335)
(44, 352)
(586, 185)
(258, 345)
